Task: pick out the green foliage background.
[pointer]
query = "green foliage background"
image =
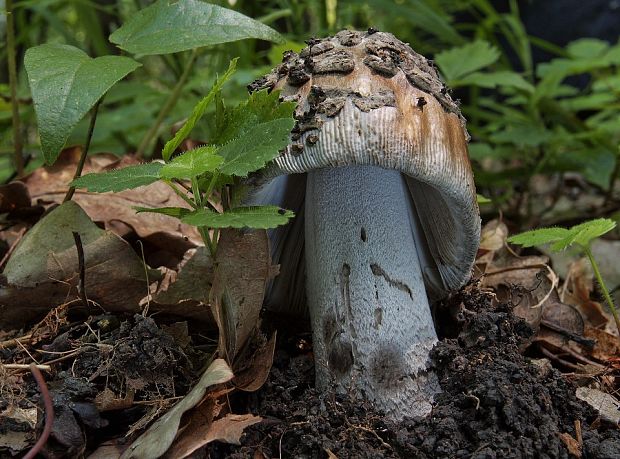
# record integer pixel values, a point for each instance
(525, 119)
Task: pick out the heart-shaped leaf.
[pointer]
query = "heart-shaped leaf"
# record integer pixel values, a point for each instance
(169, 27)
(65, 84)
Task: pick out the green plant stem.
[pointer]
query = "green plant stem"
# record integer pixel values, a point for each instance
(601, 283)
(180, 193)
(168, 106)
(89, 137)
(12, 62)
(209, 243)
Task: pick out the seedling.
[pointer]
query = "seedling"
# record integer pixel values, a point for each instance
(582, 235)
(207, 178)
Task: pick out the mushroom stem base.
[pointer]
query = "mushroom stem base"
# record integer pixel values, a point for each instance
(371, 319)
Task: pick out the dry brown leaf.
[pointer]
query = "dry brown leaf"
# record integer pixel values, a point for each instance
(252, 371)
(243, 268)
(228, 429)
(49, 185)
(43, 271)
(493, 236)
(573, 446)
(607, 345)
(186, 293)
(108, 401)
(607, 406)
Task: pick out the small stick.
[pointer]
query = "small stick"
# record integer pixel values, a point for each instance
(578, 436)
(82, 266)
(49, 413)
(13, 341)
(24, 366)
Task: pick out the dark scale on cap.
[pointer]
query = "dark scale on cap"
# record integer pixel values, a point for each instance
(421, 102)
(297, 75)
(385, 67)
(297, 149)
(349, 37)
(316, 49)
(337, 61)
(312, 139)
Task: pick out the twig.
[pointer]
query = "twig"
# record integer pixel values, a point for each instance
(82, 266)
(589, 343)
(89, 137)
(24, 366)
(10, 44)
(13, 341)
(49, 413)
(578, 435)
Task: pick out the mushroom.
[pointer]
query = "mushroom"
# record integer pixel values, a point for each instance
(378, 173)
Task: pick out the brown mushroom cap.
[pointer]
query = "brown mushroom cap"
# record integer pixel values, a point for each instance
(369, 99)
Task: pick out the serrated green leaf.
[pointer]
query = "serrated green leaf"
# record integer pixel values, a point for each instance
(66, 83)
(260, 107)
(177, 212)
(259, 145)
(539, 236)
(457, 62)
(120, 179)
(197, 112)
(586, 48)
(587, 231)
(169, 27)
(192, 163)
(493, 80)
(263, 217)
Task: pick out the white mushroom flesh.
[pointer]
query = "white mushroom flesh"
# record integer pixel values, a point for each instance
(370, 314)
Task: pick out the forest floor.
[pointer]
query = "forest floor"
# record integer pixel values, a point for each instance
(529, 367)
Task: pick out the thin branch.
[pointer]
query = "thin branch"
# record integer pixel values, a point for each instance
(82, 267)
(89, 137)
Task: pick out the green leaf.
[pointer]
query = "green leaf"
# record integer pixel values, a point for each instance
(561, 238)
(493, 80)
(177, 212)
(192, 163)
(66, 83)
(197, 113)
(169, 27)
(263, 217)
(586, 48)
(539, 236)
(457, 62)
(259, 145)
(587, 231)
(120, 179)
(482, 199)
(260, 107)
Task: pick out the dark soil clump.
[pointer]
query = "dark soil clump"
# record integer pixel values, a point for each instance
(495, 403)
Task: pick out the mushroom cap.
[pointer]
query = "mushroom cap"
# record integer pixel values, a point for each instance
(366, 98)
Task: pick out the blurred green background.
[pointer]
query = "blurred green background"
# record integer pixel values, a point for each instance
(539, 84)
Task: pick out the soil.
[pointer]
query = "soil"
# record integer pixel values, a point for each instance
(495, 403)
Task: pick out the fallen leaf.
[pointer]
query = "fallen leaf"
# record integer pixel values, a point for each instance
(186, 292)
(227, 430)
(607, 345)
(48, 185)
(108, 401)
(42, 272)
(243, 268)
(252, 370)
(157, 439)
(607, 406)
(571, 444)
